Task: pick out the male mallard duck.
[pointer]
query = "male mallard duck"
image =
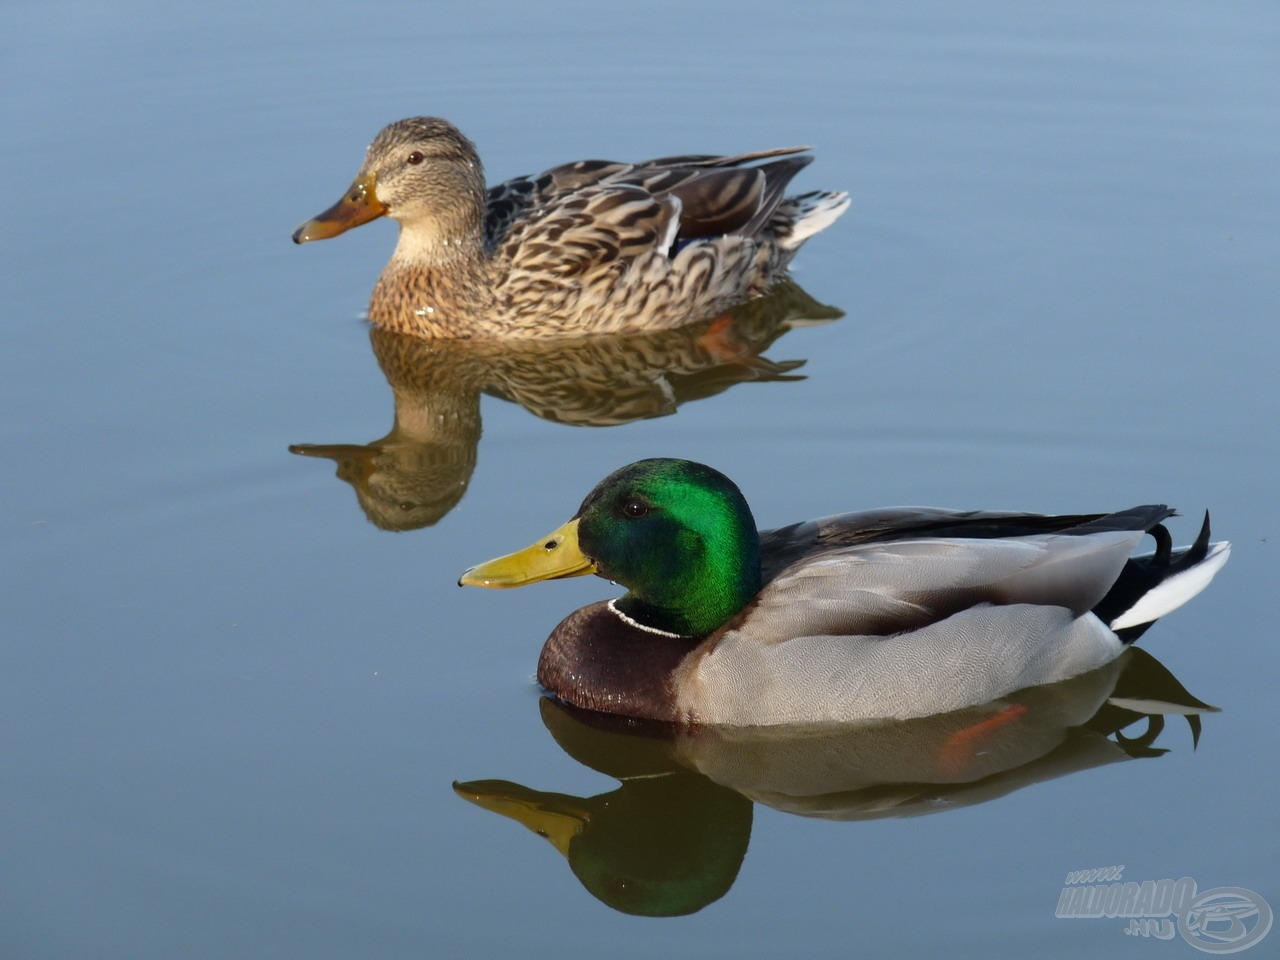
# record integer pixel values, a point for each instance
(588, 247)
(893, 613)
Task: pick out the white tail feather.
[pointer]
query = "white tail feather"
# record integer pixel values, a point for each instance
(1172, 593)
(1162, 707)
(815, 212)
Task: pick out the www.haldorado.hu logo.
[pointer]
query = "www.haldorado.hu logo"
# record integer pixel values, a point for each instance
(1221, 920)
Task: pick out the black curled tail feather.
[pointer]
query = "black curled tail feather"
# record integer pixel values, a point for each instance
(1141, 575)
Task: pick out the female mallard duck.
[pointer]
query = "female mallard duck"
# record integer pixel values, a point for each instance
(893, 613)
(588, 247)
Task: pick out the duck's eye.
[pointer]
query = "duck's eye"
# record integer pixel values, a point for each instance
(634, 508)
(415, 158)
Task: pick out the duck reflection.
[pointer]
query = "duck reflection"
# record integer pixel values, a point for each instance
(671, 838)
(419, 471)
(660, 846)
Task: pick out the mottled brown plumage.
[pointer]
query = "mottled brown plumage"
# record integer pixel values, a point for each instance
(586, 248)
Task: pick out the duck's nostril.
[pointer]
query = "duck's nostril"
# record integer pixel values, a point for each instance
(551, 545)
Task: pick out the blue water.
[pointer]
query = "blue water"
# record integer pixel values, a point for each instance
(233, 707)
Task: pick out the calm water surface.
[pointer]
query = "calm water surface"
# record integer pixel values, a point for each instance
(234, 707)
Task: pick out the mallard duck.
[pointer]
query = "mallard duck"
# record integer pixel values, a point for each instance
(588, 247)
(891, 613)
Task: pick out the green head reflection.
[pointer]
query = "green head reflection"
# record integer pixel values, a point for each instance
(657, 847)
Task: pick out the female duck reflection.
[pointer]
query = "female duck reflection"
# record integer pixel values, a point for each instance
(419, 471)
(672, 837)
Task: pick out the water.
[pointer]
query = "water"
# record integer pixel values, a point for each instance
(235, 708)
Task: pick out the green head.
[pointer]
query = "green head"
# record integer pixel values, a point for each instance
(677, 534)
(680, 536)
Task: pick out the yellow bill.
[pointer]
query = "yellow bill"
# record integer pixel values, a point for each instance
(359, 204)
(555, 556)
